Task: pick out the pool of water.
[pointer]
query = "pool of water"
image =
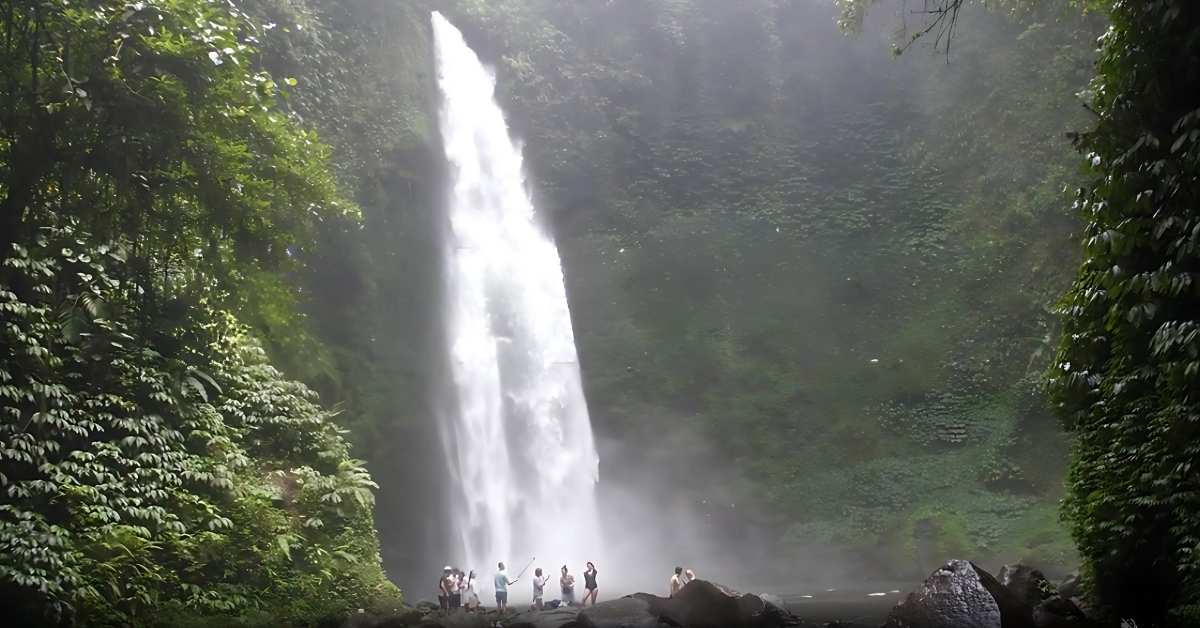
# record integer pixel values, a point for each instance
(858, 608)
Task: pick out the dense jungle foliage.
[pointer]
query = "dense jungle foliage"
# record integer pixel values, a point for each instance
(826, 272)
(1127, 375)
(157, 192)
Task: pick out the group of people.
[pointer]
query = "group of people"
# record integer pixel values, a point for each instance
(566, 585)
(679, 578)
(456, 590)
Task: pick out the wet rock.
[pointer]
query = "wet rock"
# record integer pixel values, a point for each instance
(463, 619)
(1058, 612)
(771, 598)
(954, 596)
(1071, 586)
(703, 604)
(561, 617)
(626, 612)
(1014, 612)
(435, 619)
(759, 612)
(1029, 585)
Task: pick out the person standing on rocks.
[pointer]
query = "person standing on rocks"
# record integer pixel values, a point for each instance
(589, 584)
(470, 598)
(539, 588)
(677, 582)
(567, 584)
(501, 581)
(444, 584)
(456, 588)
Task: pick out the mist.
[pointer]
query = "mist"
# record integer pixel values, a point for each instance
(758, 361)
(872, 312)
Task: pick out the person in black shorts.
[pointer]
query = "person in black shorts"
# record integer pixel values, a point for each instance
(456, 587)
(589, 583)
(444, 584)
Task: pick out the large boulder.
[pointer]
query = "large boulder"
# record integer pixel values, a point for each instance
(703, 604)
(1029, 585)
(463, 619)
(1071, 586)
(1049, 608)
(626, 612)
(561, 617)
(1014, 612)
(1058, 612)
(961, 595)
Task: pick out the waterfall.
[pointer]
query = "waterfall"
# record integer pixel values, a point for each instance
(519, 440)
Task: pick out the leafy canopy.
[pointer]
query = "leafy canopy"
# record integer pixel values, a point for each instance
(1127, 376)
(148, 476)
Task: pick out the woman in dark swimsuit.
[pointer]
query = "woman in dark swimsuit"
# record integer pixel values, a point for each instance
(589, 583)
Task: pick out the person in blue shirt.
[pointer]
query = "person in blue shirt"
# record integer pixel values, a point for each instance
(502, 583)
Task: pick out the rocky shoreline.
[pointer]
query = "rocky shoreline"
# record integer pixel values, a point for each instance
(962, 595)
(957, 595)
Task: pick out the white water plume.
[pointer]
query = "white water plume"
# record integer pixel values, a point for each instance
(519, 440)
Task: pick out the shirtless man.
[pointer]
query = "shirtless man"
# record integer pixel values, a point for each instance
(677, 581)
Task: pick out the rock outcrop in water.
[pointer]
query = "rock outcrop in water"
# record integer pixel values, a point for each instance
(626, 612)
(954, 596)
(962, 595)
(1049, 607)
(703, 604)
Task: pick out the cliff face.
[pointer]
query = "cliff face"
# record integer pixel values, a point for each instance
(810, 282)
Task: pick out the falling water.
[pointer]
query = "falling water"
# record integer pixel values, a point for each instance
(520, 441)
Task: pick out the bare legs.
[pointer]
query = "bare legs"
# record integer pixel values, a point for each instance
(591, 593)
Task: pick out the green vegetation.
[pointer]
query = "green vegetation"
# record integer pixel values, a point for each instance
(156, 476)
(156, 469)
(1128, 371)
(827, 272)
